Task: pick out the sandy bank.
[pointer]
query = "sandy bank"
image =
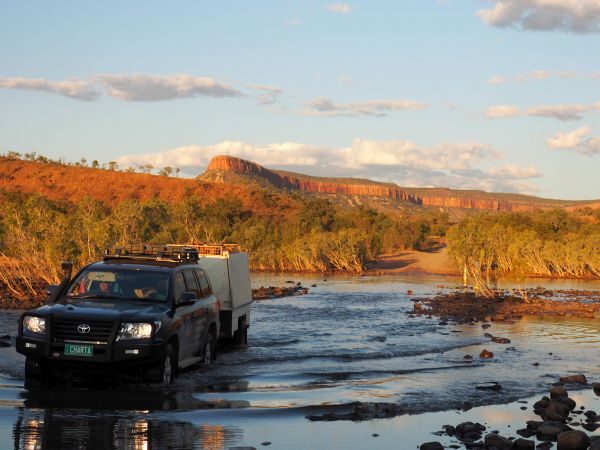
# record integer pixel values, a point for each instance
(434, 261)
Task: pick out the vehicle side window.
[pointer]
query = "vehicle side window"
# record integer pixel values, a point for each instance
(190, 282)
(178, 285)
(204, 285)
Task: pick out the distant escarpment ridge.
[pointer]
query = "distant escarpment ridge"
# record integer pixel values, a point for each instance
(228, 169)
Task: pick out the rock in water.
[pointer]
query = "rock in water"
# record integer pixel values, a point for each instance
(558, 391)
(498, 442)
(550, 429)
(596, 387)
(524, 444)
(573, 440)
(486, 354)
(431, 446)
(556, 411)
(490, 386)
(574, 379)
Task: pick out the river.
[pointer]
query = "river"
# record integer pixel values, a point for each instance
(349, 339)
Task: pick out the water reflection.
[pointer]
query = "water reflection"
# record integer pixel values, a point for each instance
(63, 429)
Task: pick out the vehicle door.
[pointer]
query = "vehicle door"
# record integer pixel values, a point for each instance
(208, 302)
(197, 314)
(183, 316)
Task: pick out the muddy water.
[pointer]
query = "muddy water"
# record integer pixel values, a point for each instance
(348, 340)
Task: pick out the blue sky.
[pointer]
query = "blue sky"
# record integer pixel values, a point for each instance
(500, 95)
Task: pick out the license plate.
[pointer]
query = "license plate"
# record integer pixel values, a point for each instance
(78, 350)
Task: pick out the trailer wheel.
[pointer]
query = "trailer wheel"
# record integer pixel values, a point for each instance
(240, 337)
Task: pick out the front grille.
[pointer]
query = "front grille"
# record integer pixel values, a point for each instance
(66, 330)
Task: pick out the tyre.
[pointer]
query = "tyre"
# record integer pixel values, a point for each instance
(240, 337)
(210, 348)
(163, 372)
(35, 369)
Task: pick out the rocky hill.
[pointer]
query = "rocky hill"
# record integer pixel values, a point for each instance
(245, 180)
(231, 170)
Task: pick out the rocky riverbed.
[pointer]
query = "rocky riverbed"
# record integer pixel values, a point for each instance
(465, 306)
(563, 423)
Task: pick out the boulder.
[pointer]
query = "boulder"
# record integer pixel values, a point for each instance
(558, 391)
(573, 440)
(550, 429)
(595, 444)
(556, 411)
(486, 354)
(431, 446)
(497, 442)
(467, 427)
(596, 387)
(526, 433)
(489, 386)
(567, 401)
(524, 444)
(574, 379)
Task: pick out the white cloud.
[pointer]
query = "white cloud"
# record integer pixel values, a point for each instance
(497, 80)
(72, 88)
(345, 79)
(341, 8)
(406, 163)
(542, 75)
(578, 140)
(326, 107)
(576, 16)
(502, 112)
(269, 94)
(559, 112)
(562, 112)
(149, 88)
(510, 171)
(193, 159)
(408, 155)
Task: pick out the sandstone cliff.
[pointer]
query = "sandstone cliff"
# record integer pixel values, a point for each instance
(221, 167)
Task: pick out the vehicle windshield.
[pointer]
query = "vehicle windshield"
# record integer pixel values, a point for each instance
(120, 284)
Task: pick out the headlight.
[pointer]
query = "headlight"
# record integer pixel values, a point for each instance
(34, 324)
(134, 331)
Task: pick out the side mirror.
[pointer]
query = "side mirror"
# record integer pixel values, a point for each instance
(52, 289)
(187, 298)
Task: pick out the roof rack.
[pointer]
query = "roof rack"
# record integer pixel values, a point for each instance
(204, 248)
(153, 252)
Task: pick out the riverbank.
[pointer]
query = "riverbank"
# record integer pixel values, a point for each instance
(434, 261)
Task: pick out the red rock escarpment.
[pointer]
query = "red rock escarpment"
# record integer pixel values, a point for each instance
(440, 197)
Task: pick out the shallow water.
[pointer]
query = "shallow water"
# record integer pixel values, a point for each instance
(348, 340)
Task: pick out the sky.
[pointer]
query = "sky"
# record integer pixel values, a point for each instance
(499, 95)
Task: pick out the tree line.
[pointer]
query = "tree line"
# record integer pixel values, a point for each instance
(37, 234)
(548, 243)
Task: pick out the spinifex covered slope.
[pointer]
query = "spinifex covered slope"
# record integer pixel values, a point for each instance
(228, 169)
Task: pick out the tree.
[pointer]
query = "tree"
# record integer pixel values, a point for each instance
(166, 171)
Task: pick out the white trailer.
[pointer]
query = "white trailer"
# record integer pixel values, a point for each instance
(229, 274)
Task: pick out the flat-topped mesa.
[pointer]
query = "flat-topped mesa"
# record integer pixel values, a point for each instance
(436, 197)
(289, 180)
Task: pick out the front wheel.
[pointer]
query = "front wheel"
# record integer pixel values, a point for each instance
(164, 372)
(35, 369)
